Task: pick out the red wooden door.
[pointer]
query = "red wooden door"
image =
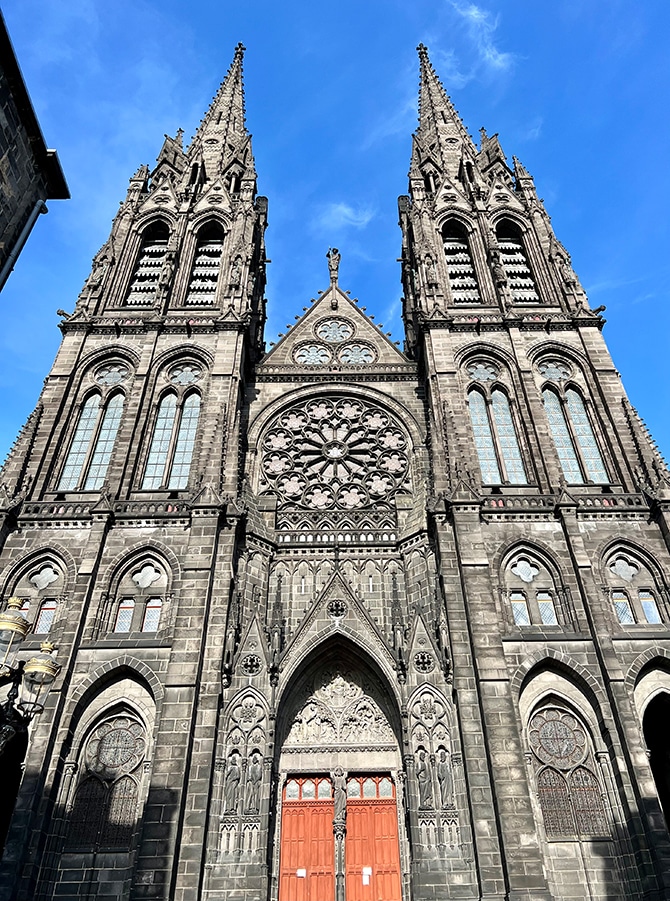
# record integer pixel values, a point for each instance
(372, 852)
(307, 852)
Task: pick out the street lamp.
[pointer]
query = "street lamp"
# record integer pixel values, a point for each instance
(29, 679)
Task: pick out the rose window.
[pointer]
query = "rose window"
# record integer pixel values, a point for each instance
(117, 746)
(482, 371)
(185, 374)
(112, 374)
(335, 454)
(356, 354)
(334, 330)
(312, 355)
(556, 737)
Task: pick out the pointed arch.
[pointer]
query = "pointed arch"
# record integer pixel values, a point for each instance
(172, 444)
(515, 262)
(460, 268)
(204, 275)
(149, 263)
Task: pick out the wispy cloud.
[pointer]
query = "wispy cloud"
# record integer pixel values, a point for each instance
(402, 121)
(481, 27)
(338, 216)
(534, 129)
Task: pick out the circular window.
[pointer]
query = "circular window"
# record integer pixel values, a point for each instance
(335, 452)
(424, 662)
(334, 330)
(185, 374)
(337, 608)
(356, 354)
(116, 748)
(112, 374)
(312, 355)
(556, 737)
(251, 665)
(554, 370)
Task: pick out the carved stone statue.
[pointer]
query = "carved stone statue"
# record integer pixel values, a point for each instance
(236, 270)
(424, 781)
(339, 778)
(254, 779)
(231, 788)
(333, 263)
(444, 778)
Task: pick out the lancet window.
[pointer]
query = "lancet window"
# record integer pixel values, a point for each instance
(150, 260)
(40, 588)
(462, 278)
(531, 592)
(568, 789)
(92, 444)
(206, 264)
(633, 590)
(515, 263)
(105, 808)
(173, 441)
(140, 598)
(493, 427)
(573, 436)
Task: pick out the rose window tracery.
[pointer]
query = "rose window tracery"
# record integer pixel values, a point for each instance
(557, 738)
(335, 454)
(356, 354)
(312, 355)
(334, 330)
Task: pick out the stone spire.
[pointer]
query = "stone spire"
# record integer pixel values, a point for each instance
(222, 136)
(441, 137)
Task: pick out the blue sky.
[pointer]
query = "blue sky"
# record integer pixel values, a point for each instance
(577, 89)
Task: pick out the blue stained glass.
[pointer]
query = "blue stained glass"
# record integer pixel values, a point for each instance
(76, 457)
(593, 462)
(160, 443)
(561, 435)
(649, 607)
(181, 463)
(509, 446)
(483, 439)
(105, 443)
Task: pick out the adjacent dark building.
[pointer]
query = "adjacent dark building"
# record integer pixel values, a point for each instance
(30, 174)
(340, 621)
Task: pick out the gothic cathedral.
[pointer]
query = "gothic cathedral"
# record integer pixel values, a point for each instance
(339, 622)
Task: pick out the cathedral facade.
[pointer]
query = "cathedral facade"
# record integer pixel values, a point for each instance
(340, 621)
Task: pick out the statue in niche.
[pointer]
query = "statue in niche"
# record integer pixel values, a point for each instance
(431, 273)
(424, 781)
(254, 778)
(339, 778)
(231, 788)
(444, 778)
(236, 270)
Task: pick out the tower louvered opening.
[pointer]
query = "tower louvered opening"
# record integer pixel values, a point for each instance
(515, 262)
(462, 279)
(143, 288)
(205, 272)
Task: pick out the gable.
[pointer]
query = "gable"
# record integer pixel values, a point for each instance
(335, 335)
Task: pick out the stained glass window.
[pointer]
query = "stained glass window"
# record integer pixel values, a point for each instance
(593, 462)
(622, 608)
(78, 452)
(119, 823)
(481, 427)
(519, 608)
(152, 615)
(124, 615)
(188, 426)
(587, 802)
(104, 443)
(552, 790)
(509, 446)
(45, 617)
(160, 443)
(562, 439)
(88, 812)
(649, 606)
(545, 604)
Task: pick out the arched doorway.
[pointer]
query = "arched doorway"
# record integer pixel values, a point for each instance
(655, 726)
(338, 827)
